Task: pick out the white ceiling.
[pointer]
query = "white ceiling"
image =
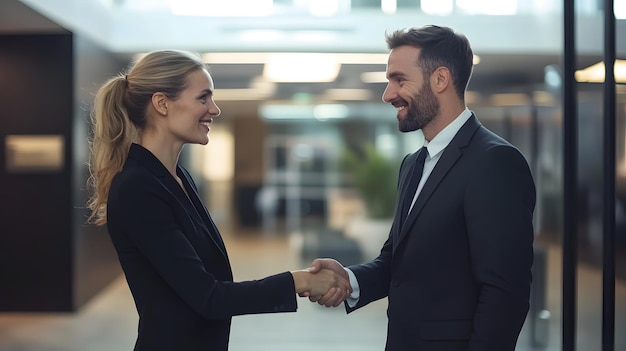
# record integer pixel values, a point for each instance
(514, 50)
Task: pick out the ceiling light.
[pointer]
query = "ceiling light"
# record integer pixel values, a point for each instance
(324, 8)
(374, 77)
(263, 57)
(595, 73)
(301, 67)
(289, 112)
(488, 7)
(231, 8)
(347, 94)
(271, 111)
(330, 111)
(286, 111)
(389, 6)
(437, 7)
(357, 58)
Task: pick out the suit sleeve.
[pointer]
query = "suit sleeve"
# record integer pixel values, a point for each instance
(373, 277)
(141, 210)
(499, 205)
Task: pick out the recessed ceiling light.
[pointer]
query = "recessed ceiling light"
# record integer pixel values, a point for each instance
(301, 67)
(595, 73)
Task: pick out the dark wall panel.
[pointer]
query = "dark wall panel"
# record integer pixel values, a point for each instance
(36, 240)
(50, 259)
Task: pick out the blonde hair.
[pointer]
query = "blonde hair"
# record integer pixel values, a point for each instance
(119, 115)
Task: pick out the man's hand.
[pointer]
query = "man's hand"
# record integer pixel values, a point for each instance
(333, 297)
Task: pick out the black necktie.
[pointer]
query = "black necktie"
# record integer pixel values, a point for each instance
(415, 180)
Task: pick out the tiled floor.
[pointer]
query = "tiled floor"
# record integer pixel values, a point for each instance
(108, 322)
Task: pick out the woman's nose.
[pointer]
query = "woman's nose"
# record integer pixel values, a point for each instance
(214, 110)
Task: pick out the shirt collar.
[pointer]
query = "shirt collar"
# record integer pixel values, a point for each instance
(443, 138)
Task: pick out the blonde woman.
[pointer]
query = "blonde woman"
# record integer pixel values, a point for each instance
(171, 252)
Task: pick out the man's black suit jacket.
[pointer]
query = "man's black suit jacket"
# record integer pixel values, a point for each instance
(176, 264)
(457, 274)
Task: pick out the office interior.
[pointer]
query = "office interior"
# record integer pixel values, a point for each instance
(275, 175)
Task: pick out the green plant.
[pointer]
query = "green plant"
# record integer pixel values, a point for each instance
(375, 177)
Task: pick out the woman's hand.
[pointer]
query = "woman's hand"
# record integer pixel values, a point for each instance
(323, 283)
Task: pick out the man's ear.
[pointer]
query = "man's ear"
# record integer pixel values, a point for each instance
(441, 79)
(159, 102)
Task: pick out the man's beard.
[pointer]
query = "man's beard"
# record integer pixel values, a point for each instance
(421, 110)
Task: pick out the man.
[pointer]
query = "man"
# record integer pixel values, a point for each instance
(456, 267)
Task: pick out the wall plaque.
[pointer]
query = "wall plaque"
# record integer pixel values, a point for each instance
(34, 153)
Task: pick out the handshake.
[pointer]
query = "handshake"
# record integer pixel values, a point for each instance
(325, 282)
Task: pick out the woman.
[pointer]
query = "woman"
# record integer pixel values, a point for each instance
(171, 252)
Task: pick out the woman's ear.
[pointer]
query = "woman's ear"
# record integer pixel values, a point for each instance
(159, 102)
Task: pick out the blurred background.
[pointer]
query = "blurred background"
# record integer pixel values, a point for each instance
(303, 159)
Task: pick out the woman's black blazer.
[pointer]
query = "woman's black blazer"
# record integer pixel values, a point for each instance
(176, 264)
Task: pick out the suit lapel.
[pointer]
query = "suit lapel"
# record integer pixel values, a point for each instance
(148, 160)
(201, 211)
(449, 157)
(404, 178)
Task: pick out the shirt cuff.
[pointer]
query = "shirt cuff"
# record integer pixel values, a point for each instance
(353, 299)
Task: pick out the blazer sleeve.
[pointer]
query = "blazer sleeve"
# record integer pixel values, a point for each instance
(499, 207)
(141, 209)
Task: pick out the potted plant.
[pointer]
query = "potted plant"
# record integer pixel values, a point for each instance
(375, 178)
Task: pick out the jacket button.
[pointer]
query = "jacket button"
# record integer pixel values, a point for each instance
(395, 283)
